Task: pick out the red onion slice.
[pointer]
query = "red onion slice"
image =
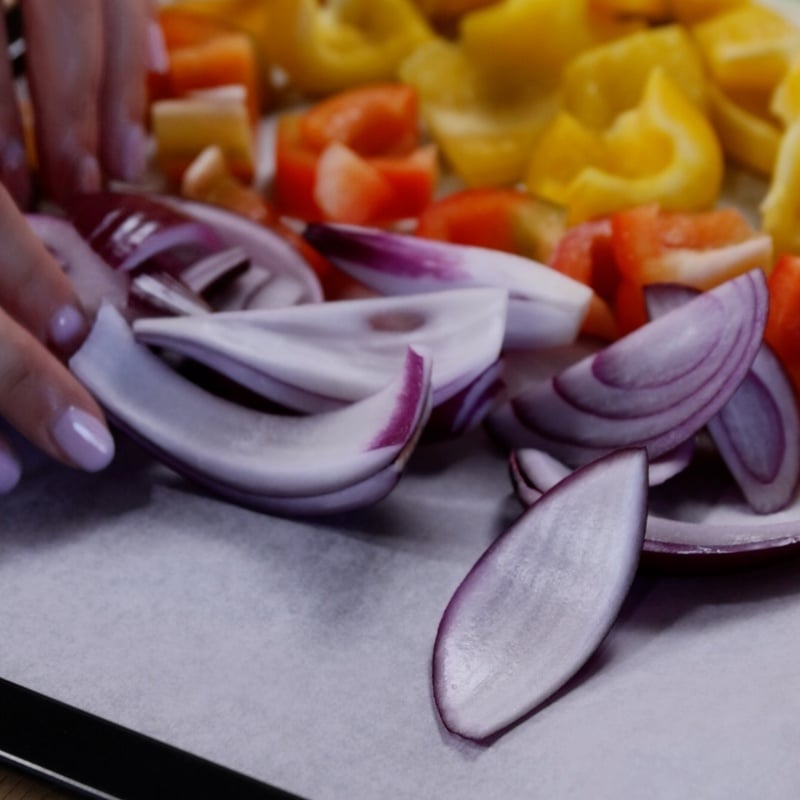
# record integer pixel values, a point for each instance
(93, 280)
(245, 451)
(546, 308)
(698, 518)
(616, 398)
(541, 599)
(757, 432)
(126, 229)
(320, 356)
(278, 275)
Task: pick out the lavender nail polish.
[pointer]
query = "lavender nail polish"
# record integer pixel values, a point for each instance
(134, 154)
(14, 171)
(84, 439)
(66, 328)
(88, 177)
(10, 471)
(157, 55)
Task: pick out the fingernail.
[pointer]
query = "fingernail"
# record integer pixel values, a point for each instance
(67, 328)
(84, 439)
(157, 55)
(134, 153)
(87, 174)
(10, 471)
(14, 171)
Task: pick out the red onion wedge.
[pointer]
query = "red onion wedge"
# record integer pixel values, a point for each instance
(655, 387)
(278, 275)
(204, 246)
(698, 519)
(128, 229)
(757, 432)
(262, 459)
(541, 599)
(546, 308)
(92, 278)
(320, 356)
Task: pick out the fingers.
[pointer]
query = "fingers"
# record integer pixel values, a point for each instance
(64, 65)
(123, 98)
(33, 287)
(47, 405)
(13, 163)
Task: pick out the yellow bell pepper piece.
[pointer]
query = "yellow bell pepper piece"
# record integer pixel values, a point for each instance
(748, 48)
(518, 41)
(652, 10)
(326, 47)
(447, 9)
(606, 80)
(687, 12)
(785, 100)
(747, 135)
(780, 209)
(487, 139)
(663, 151)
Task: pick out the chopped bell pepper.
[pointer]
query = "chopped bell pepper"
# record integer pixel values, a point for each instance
(487, 138)
(327, 47)
(749, 47)
(209, 179)
(606, 80)
(785, 100)
(747, 137)
(510, 220)
(694, 249)
(500, 38)
(688, 12)
(782, 331)
(651, 10)
(355, 157)
(664, 150)
(184, 127)
(205, 53)
(780, 209)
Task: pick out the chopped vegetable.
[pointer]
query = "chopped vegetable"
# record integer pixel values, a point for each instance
(664, 150)
(545, 308)
(501, 219)
(541, 599)
(263, 460)
(334, 46)
(657, 386)
(355, 158)
(320, 356)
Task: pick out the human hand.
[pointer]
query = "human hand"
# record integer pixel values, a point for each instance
(86, 65)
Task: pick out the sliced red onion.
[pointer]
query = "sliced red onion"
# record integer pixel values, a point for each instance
(546, 308)
(757, 432)
(163, 294)
(126, 229)
(239, 452)
(541, 599)
(655, 387)
(278, 275)
(93, 280)
(320, 356)
(468, 408)
(698, 518)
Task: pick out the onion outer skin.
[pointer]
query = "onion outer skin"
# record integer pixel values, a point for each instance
(541, 599)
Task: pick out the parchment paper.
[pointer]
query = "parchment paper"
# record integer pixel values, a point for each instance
(299, 652)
